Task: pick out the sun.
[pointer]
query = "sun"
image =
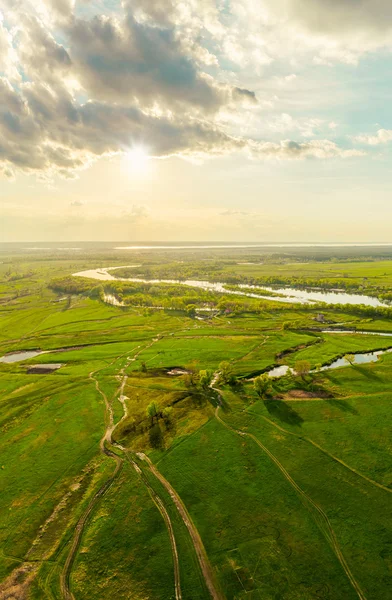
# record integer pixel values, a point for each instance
(137, 158)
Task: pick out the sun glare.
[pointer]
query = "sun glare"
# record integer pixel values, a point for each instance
(138, 158)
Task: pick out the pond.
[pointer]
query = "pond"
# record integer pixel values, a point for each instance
(359, 359)
(19, 356)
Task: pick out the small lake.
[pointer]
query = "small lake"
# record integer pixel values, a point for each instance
(280, 371)
(359, 359)
(291, 295)
(19, 356)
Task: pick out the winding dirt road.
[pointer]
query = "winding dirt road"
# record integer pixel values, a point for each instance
(66, 572)
(105, 443)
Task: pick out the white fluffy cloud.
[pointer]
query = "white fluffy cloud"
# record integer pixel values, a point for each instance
(334, 30)
(288, 149)
(383, 136)
(76, 85)
(338, 16)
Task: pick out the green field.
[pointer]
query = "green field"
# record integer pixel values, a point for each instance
(282, 495)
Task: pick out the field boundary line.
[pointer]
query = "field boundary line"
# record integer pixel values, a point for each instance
(326, 452)
(325, 525)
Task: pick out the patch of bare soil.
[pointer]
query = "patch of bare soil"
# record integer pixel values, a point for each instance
(305, 394)
(178, 371)
(16, 586)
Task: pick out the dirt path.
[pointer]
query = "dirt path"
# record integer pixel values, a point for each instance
(320, 516)
(66, 572)
(106, 441)
(165, 515)
(107, 436)
(123, 377)
(156, 499)
(195, 536)
(254, 349)
(324, 451)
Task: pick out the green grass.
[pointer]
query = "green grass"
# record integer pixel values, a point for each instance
(357, 509)
(336, 345)
(262, 539)
(207, 353)
(377, 273)
(126, 548)
(266, 352)
(257, 533)
(353, 424)
(48, 438)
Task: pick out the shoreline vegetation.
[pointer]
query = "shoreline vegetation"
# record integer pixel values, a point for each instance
(177, 296)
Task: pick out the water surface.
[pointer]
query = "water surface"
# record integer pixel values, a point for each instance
(359, 359)
(19, 356)
(287, 294)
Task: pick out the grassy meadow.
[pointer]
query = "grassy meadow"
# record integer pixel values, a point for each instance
(138, 470)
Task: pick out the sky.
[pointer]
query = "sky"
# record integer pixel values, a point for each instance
(196, 120)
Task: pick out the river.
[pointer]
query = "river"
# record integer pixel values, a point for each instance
(291, 295)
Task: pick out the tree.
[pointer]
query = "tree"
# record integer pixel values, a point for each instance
(205, 378)
(143, 367)
(192, 365)
(262, 385)
(350, 358)
(167, 413)
(96, 292)
(302, 368)
(152, 411)
(225, 372)
(191, 310)
(222, 305)
(168, 417)
(189, 380)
